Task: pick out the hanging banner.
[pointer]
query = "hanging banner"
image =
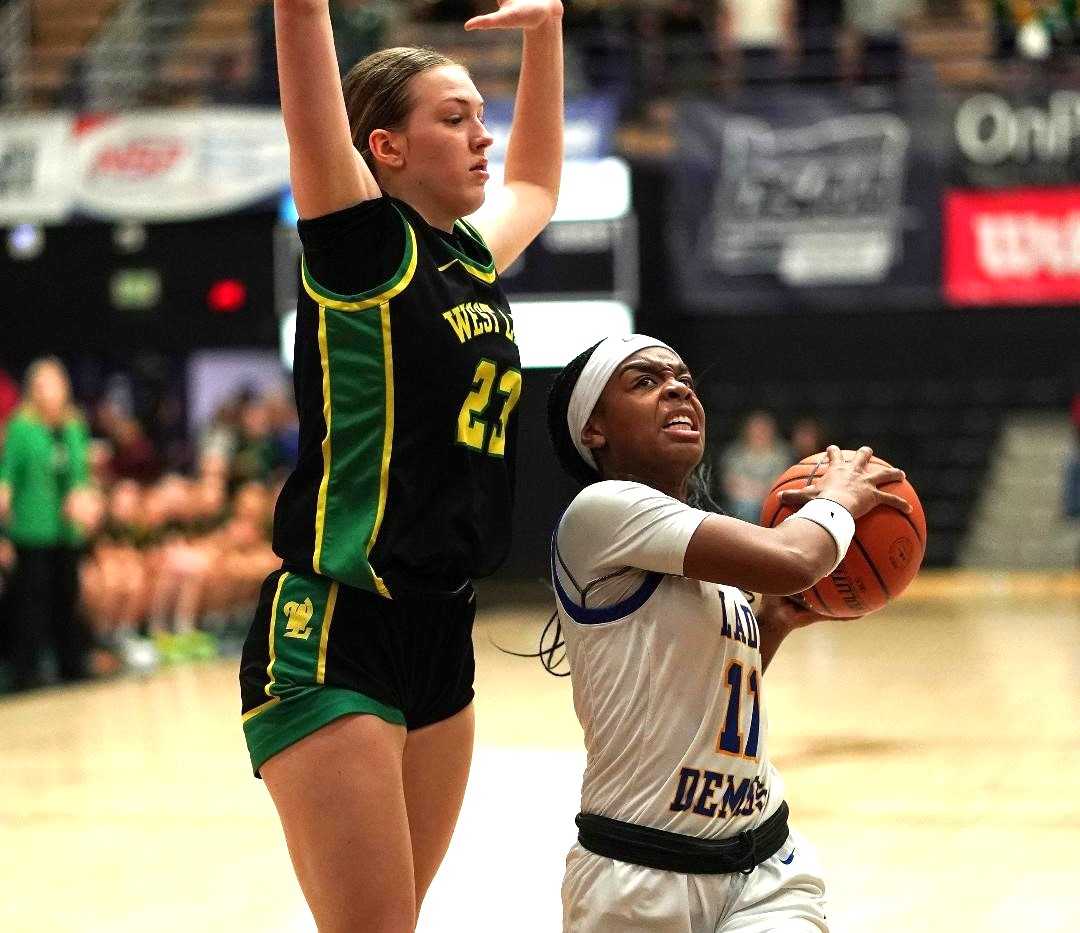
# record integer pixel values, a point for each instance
(149, 166)
(1019, 247)
(806, 198)
(179, 164)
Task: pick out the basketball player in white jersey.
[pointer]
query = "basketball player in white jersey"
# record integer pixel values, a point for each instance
(683, 825)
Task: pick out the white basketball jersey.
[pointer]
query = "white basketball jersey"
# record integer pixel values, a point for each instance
(666, 671)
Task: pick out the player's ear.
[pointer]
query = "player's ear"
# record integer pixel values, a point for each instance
(592, 435)
(386, 148)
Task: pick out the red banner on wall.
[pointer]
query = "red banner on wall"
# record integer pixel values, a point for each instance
(1017, 247)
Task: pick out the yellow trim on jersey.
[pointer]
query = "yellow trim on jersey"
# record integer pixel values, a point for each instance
(388, 440)
(324, 638)
(486, 277)
(273, 625)
(261, 708)
(485, 273)
(342, 304)
(324, 485)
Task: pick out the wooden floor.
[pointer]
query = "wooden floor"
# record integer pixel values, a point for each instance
(932, 753)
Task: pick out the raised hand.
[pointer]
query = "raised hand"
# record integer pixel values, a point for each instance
(518, 14)
(853, 483)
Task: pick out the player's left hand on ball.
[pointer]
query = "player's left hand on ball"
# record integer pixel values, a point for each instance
(787, 612)
(518, 14)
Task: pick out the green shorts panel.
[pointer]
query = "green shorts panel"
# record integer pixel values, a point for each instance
(283, 721)
(318, 650)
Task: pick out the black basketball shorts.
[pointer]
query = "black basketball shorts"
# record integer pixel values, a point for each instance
(319, 650)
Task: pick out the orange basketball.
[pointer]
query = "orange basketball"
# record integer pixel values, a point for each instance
(885, 553)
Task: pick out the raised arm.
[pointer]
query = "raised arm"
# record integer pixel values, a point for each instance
(327, 172)
(534, 152)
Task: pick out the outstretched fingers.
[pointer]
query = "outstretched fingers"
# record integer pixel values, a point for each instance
(894, 501)
(883, 475)
(796, 498)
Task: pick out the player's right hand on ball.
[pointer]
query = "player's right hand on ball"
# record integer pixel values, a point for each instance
(852, 483)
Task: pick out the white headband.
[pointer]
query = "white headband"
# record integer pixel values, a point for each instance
(604, 361)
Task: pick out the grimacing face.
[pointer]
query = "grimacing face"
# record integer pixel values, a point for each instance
(648, 422)
(444, 140)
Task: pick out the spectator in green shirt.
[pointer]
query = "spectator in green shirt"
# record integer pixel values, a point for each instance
(47, 506)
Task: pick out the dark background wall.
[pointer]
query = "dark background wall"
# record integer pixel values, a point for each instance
(945, 362)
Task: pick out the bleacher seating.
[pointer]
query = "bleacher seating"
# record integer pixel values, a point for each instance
(941, 432)
(216, 34)
(59, 34)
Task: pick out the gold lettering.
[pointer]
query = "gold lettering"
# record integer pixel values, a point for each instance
(460, 323)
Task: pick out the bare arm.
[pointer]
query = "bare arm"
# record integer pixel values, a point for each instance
(327, 172)
(796, 554)
(783, 560)
(534, 153)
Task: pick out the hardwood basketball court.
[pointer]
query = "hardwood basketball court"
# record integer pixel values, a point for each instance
(931, 752)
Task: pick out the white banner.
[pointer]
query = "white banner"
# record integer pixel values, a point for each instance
(36, 180)
(148, 166)
(178, 164)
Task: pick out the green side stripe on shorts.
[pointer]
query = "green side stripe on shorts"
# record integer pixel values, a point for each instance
(300, 616)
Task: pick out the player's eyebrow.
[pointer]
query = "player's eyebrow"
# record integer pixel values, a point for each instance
(477, 102)
(653, 367)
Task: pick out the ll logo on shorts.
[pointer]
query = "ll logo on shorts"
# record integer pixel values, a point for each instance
(298, 615)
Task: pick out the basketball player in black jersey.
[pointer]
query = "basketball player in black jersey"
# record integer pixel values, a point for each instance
(356, 677)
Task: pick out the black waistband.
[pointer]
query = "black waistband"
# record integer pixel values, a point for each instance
(656, 848)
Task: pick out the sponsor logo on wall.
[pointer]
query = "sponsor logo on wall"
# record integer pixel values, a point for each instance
(150, 166)
(1003, 141)
(1018, 247)
(180, 165)
(820, 203)
(806, 199)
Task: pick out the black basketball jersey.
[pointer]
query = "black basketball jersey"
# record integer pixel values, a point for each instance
(407, 379)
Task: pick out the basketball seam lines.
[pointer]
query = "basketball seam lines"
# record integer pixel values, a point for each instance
(870, 564)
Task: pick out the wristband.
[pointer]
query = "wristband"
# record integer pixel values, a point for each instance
(835, 519)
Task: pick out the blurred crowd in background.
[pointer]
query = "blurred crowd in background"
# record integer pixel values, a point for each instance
(637, 50)
(118, 551)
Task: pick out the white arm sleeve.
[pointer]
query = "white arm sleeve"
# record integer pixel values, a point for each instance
(615, 524)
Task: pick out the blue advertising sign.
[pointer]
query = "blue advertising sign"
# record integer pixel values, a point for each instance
(806, 199)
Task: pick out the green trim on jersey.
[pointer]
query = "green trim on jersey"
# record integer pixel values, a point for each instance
(485, 272)
(358, 407)
(373, 297)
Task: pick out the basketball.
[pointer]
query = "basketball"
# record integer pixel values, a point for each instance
(885, 553)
